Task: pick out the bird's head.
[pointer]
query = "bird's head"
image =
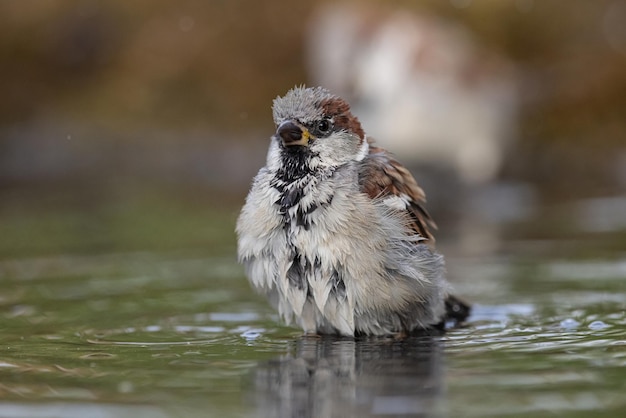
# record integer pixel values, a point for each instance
(317, 128)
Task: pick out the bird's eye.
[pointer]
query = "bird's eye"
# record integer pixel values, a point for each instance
(324, 126)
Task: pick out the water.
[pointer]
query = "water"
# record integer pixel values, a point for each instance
(179, 333)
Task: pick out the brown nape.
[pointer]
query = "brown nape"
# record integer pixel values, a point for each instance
(339, 110)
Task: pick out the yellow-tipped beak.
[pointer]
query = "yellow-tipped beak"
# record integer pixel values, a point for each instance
(292, 133)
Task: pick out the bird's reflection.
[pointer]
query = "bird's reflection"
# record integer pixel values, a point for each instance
(335, 377)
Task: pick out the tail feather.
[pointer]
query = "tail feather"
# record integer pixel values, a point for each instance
(457, 310)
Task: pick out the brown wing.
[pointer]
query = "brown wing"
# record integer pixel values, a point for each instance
(381, 176)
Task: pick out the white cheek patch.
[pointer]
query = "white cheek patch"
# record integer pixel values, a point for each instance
(273, 160)
(401, 202)
(364, 150)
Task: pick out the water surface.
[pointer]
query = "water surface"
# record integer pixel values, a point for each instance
(179, 333)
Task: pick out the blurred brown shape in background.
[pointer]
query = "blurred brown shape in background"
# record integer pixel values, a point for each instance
(102, 99)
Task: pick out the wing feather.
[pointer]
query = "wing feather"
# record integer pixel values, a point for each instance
(381, 176)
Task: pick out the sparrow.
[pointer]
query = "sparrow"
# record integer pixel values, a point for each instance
(334, 230)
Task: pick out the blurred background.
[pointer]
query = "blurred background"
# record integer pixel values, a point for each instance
(132, 126)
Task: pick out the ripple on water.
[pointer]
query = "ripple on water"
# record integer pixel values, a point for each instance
(183, 340)
(513, 327)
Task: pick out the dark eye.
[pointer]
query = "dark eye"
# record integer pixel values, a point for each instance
(324, 126)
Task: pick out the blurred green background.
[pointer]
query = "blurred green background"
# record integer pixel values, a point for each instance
(129, 126)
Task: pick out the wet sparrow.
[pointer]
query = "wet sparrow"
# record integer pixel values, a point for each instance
(333, 230)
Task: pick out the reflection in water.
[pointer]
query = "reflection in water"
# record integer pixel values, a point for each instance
(328, 377)
(147, 334)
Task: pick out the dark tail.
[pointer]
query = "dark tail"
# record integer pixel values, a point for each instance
(457, 310)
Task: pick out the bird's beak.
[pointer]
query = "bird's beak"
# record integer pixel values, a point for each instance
(292, 133)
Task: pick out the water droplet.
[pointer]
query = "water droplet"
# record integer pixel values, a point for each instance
(569, 323)
(153, 328)
(251, 334)
(597, 325)
(186, 23)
